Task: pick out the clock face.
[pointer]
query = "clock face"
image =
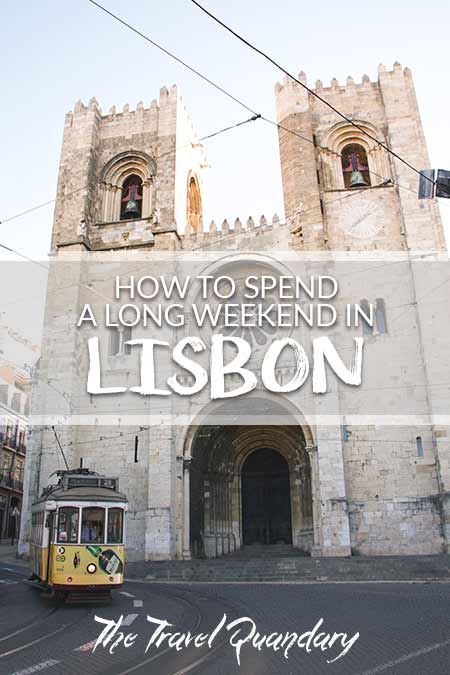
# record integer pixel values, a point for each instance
(361, 218)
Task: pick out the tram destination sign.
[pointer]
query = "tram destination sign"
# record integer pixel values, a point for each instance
(91, 481)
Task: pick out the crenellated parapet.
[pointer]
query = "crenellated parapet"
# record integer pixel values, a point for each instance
(167, 113)
(165, 94)
(217, 235)
(291, 97)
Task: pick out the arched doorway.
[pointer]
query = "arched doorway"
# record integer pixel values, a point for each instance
(266, 499)
(247, 484)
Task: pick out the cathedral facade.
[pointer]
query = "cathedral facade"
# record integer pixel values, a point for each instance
(134, 181)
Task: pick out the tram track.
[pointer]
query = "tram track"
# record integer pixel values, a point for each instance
(30, 624)
(154, 657)
(28, 639)
(16, 570)
(199, 617)
(67, 626)
(37, 640)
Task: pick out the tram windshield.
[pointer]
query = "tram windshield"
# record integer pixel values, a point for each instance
(115, 526)
(68, 525)
(93, 525)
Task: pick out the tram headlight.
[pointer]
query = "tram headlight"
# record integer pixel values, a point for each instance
(91, 568)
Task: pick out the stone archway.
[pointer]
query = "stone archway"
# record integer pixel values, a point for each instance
(217, 475)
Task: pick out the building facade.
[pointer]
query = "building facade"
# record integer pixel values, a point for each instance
(205, 489)
(14, 411)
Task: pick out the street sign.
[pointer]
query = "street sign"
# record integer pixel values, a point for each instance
(443, 184)
(428, 183)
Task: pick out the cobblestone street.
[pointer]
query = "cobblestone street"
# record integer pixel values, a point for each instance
(403, 629)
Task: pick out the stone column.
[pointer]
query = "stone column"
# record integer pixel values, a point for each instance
(106, 201)
(208, 536)
(236, 510)
(315, 492)
(115, 202)
(296, 497)
(331, 494)
(159, 527)
(186, 508)
(147, 198)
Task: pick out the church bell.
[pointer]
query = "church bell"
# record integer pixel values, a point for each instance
(131, 209)
(357, 180)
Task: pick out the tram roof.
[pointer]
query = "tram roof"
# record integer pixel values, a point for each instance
(83, 494)
(82, 484)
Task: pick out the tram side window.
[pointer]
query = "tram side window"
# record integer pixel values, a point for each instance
(93, 526)
(36, 533)
(68, 525)
(115, 525)
(36, 527)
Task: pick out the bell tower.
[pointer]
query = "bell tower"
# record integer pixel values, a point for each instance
(342, 190)
(124, 177)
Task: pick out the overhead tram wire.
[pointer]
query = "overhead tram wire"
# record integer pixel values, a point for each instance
(100, 439)
(144, 428)
(25, 257)
(176, 58)
(195, 71)
(254, 118)
(60, 447)
(311, 91)
(244, 105)
(231, 234)
(386, 182)
(355, 191)
(35, 208)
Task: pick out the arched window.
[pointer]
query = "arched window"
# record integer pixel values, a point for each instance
(367, 324)
(340, 142)
(355, 166)
(419, 447)
(380, 316)
(127, 173)
(194, 206)
(131, 200)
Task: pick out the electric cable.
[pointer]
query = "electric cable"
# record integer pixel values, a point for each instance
(254, 118)
(311, 91)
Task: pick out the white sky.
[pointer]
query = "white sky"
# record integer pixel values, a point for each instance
(57, 52)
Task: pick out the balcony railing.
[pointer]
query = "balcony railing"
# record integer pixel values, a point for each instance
(13, 443)
(12, 483)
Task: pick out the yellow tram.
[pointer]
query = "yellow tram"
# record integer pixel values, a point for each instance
(77, 535)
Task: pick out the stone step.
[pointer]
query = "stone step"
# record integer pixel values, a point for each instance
(295, 568)
(256, 551)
